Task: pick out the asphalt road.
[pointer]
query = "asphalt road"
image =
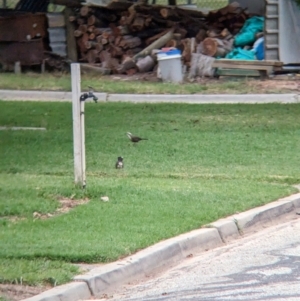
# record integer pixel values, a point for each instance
(263, 266)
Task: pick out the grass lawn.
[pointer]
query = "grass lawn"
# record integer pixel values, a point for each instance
(143, 85)
(201, 163)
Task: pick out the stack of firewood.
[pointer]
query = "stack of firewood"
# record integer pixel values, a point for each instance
(124, 41)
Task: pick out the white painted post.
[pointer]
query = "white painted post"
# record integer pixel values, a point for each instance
(82, 143)
(77, 134)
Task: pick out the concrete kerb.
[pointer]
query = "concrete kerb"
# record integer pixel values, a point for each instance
(153, 259)
(8, 95)
(67, 292)
(202, 98)
(59, 96)
(168, 253)
(242, 223)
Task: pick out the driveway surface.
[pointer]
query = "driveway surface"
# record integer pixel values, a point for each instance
(262, 266)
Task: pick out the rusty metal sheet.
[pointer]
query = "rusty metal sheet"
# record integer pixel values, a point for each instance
(22, 27)
(32, 6)
(27, 52)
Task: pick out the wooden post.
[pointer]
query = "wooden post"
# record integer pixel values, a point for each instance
(71, 41)
(77, 126)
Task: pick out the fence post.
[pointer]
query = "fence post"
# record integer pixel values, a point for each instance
(77, 126)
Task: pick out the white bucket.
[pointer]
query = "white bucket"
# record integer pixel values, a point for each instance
(170, 68)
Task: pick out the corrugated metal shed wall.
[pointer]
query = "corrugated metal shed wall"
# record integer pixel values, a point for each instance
(32, 6)
(282, 28)
(289, 32)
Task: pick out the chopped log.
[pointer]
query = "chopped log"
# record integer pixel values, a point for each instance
(168, 12)
(186, 53)
(104, 41)
(201, 65)
(101, 30)
(78, 33)
(99, 39)
(91, 28)
(145, 64)
(99, 47)
(92, 56)
(132, 14)
(130, 42)
(172, 43)
(106, 34)
(121, 30)
(213, 32)
(176, 42)
(83, 28)
(201, 35)
(92, 36)
(115, 51)
(210, 47)
(124, 58)
(81, 43)
(80, 21)
(111, 39)
(193, 45)
(87, 68)
(225, 33)
(118, 40)
(216, 47)
(92, 20)
(123, 21)
(131, 71)
(108, 62)
(148, 21)
(137, 24)
(126, 65)
(72, 18)
(85, 11)
(157, 36)
(114, 65)
(131, 52)
(68, 3)
(182, 31)
(91, 44)
(156, 44)
(104, 57)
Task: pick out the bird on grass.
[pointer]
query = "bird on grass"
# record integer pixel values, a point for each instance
(134, 139)
(119, 163)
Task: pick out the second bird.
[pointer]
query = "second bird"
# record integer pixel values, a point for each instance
(135, 139)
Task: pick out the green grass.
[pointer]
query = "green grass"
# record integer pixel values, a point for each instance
(201, 163)
(25, 271)
(117, 84)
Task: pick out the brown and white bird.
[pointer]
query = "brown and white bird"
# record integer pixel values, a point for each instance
(134, 139)
(119, 163)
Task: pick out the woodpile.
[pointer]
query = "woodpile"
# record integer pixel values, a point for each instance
(125, 40)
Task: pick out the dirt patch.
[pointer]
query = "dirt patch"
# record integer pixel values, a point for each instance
(277, 84)
(13, 219)
(66, 204)
(14, 292)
